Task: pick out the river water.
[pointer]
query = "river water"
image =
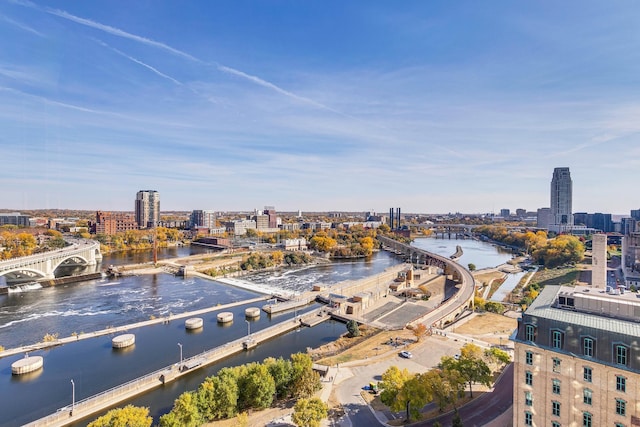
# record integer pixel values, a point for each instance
(482, 254)
(25, 317)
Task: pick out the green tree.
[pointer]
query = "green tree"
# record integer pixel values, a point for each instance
(353, 328)
(309, 412)
(304, 380)
(184, 413)
(472, 267)
(497, 356)
(129, 416)
(282, 373)
(471, 367)
(412, 396)
(256, 387)
(392, 381)
(225, 394)
(445, 386)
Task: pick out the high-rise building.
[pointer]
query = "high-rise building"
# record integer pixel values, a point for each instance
(576, 360)
(599, 261)
(147, 208)
(270, 211)
(561, 218)
(202, 218)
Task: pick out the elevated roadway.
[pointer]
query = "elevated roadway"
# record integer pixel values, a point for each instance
(449, 310)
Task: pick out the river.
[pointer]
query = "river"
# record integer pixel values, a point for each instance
(482, 254)
(25, 317)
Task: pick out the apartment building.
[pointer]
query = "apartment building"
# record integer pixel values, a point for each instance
(577, 359)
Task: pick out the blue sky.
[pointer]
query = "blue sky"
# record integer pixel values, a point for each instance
(432, 106)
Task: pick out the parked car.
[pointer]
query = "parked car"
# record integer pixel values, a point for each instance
(406, 354)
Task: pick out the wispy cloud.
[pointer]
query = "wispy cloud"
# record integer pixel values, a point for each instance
(137, 61)
(21, 25)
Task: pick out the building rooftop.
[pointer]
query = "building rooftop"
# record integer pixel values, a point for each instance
(589, 307)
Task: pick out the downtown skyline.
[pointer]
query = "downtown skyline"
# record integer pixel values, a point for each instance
(319, 106)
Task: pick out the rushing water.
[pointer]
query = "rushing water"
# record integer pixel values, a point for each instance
(482, 254)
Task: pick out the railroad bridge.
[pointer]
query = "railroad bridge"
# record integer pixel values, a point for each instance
(42, 266)
(463, 299)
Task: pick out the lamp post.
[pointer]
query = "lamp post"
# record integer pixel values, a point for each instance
(248, 328)
(180, 345)
(73, 397)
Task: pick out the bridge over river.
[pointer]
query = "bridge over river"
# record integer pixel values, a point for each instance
(42, 266)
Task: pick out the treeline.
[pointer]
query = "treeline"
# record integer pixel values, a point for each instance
(355, 242)
(137, 239)
(15, 242)
(234, 390)
(548, 252)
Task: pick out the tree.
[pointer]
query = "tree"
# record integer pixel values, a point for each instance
(412, 396)
(309, 412)
(304, 380)
(225, 394)
(444, 385)
(419, 331)
(256, 387)
(472, 267)
(184, 413)
(392, 381)
(282, 372)
(129, 416)
(353, 328)
(497, 356)
(277, 257)
(470, 366)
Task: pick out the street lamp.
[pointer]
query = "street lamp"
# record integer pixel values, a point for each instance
(248, 328)
(73, 397)
(180, 345)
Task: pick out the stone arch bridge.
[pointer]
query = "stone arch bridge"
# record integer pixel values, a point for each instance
(462, 300)
(42, 266)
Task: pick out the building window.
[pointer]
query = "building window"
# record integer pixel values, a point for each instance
(556, 339)
(621, 383)
(528, 378)
(528, 358)
(621, 354)
(587, 396)
(528, 418)
(555, 424)
(587, 419)
(556, 364)
(588, 347)
(529, 333)
(587, 374)
(621, 407)
(555, 408)
(555, 387)
(619, 425)
(528, 398)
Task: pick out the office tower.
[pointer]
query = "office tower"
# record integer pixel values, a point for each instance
(576, 359)
(543, 217)
(147, 208)
(599, 261)
(505, 213)
(561, 219)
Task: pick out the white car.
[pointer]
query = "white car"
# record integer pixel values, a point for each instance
(406, 354)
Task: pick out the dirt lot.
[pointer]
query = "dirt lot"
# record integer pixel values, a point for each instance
(489, 327)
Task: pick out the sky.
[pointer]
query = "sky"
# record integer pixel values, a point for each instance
(430, 106)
